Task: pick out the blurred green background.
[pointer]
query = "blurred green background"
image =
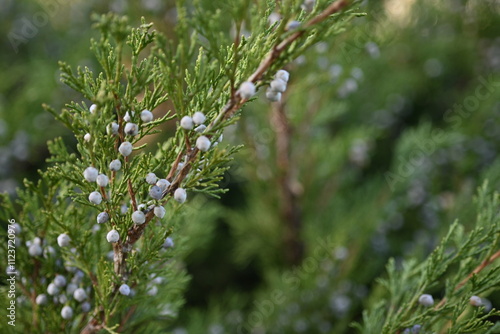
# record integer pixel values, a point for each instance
(381, 140)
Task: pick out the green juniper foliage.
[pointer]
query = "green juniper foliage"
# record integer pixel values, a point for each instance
(78, 240)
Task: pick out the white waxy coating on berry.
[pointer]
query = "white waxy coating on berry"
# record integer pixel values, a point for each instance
(199, 118)
(476, 301)
(90, 174)
(180, 195)
(95, 197)
(163, 184)
(203, 143)
(102, 180)
(87, 137)
(159, 211)
(102, 217)
(52, 289)
(146, 116)
(80, 294)
(125, 148)
(152, 291)
(169, 243)
(151, 178)
(292, 25)
(426, 300)
(16, 227)
(37, 241)
(131, 129)
(115, 165)
(247, 90)
(93, 108)
(128, 116)
(60, 281)
(113, 128)
(86, 307)
(187, 123)
(308, 5)
(200, 128)
(273, 96)
(35, 250)
(67, 312)
(62, 299)
(124, 289)
(113, 236)
(278, 85)
(138, 217)
(70, 288)
(63, 240)
(155, 192)
(41, 299)
(283, 75)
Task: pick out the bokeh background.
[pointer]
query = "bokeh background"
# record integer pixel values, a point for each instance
(379, 145)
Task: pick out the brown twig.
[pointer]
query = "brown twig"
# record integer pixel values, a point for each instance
(476, 271)
(235, 103)
(290, 209)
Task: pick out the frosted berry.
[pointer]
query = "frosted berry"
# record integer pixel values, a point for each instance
(52, 289)
(151, 178)
(283, 75)
(273, 96)
(115, 165)
(35, 250)
(187, 123)
(180, 195)
(102, 180)
(80, 294)
(203, 143)
(102, 217)
(169, 243)
(124, 289)
(60, 281)
(93, 108)
(95, 197)
(138, 217)
(278, 85)
(70, 288)
(159, 211)
(308, 5)
(426, 300)
(146, 116)
(476, 301)
(41, 299)
(86, 307)
(90, 174)
(87, 137)
(125, 148)
(113, 236)
(67, 312)
(152, 291)
(112, 129)
(131, 129)
(200, 128)
(163, 184)
(199, 118)
(247, 90)
(63, 240)
(128, 116)
(62, 299)
(292, 25)
(155, 192)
